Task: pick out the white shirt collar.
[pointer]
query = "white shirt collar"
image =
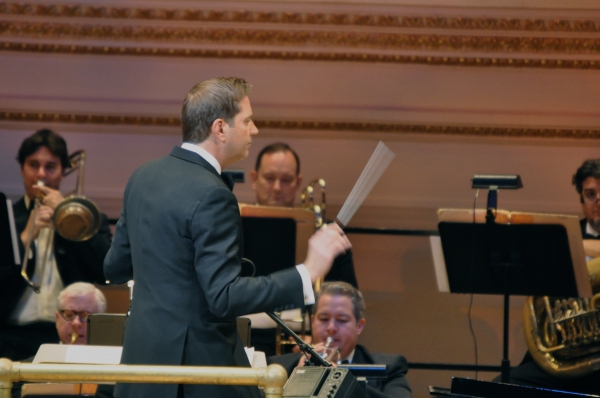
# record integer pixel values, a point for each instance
(590, 230)
(350, 357)
(204, 154)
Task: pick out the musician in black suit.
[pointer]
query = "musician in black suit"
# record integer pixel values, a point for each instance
(27, 318)
(587, 183)
(276, 180)
(179, 237)
(339, 315)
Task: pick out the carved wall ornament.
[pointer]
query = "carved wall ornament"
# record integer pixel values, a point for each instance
(314, 126)
(270, 37)
(303, 55)
(550, 24)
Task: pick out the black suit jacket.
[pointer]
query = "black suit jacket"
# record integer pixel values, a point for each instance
(394, 386)
(179, 237)
(76, 261)
(343, 270)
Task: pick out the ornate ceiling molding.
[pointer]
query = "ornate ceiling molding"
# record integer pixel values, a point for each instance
(303, 55)
(307, 126)
(551, 24)
(271, 37)
(550, 42)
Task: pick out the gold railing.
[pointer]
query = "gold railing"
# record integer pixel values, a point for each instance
(271, 378)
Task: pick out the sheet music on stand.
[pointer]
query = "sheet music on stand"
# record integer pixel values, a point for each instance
(9, 248)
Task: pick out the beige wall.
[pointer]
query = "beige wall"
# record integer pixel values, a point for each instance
(454, 88)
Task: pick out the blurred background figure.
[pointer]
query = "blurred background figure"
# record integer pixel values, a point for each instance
(27, 318)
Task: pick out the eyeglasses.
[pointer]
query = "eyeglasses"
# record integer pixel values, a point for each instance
(70, 315)
(590, 196)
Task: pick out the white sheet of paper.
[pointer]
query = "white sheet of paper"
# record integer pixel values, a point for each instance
(439, 264)
(93, 354)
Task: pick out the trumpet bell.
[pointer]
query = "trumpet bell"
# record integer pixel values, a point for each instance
(76, 219)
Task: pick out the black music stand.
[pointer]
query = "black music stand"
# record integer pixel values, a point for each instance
(270, 243)
(9, 249)
(509, 259)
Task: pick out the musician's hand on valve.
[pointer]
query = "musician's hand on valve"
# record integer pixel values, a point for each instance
(43, 219)
(331, 354)
(52, 197)
(323, 247)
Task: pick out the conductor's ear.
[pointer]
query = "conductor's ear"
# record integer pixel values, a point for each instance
(217, 129)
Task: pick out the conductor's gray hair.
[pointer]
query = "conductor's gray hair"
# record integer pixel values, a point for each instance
(208, 101)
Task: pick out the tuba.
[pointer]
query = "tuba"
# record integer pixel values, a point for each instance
(75, 218)
(563, 334)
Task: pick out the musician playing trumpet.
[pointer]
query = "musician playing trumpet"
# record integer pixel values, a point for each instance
(338, 318)
(27, 318)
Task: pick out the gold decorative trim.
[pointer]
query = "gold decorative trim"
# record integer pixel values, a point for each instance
(301, 18)
(305, 56)
(266, 37)
(312, 126)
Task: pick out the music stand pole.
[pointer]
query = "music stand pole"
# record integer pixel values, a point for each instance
(505, 361)
(301, 344)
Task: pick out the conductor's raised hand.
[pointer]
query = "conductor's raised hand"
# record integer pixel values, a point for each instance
(323, 247)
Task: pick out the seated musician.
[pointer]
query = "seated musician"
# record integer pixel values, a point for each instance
(528, 373)
(27, 318)
(339, 314)
(276, 180)
(75, 303)
(587, 183)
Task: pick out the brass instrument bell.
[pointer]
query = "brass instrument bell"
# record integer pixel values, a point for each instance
(77, 218)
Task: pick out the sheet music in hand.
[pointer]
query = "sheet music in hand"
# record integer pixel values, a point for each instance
(378, 163)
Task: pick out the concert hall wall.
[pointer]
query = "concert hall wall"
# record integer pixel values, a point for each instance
(454, 88)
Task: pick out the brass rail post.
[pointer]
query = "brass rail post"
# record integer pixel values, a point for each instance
(271, 378)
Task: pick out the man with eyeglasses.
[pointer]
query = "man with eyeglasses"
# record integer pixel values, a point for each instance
(75, 303)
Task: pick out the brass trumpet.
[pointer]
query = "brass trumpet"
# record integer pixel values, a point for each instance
(75, 218)
(308, 200)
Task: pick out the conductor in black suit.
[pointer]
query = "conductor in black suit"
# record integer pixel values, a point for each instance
(339, 316)
(179, 237)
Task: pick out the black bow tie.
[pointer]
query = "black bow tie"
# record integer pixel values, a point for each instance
(228, 180)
